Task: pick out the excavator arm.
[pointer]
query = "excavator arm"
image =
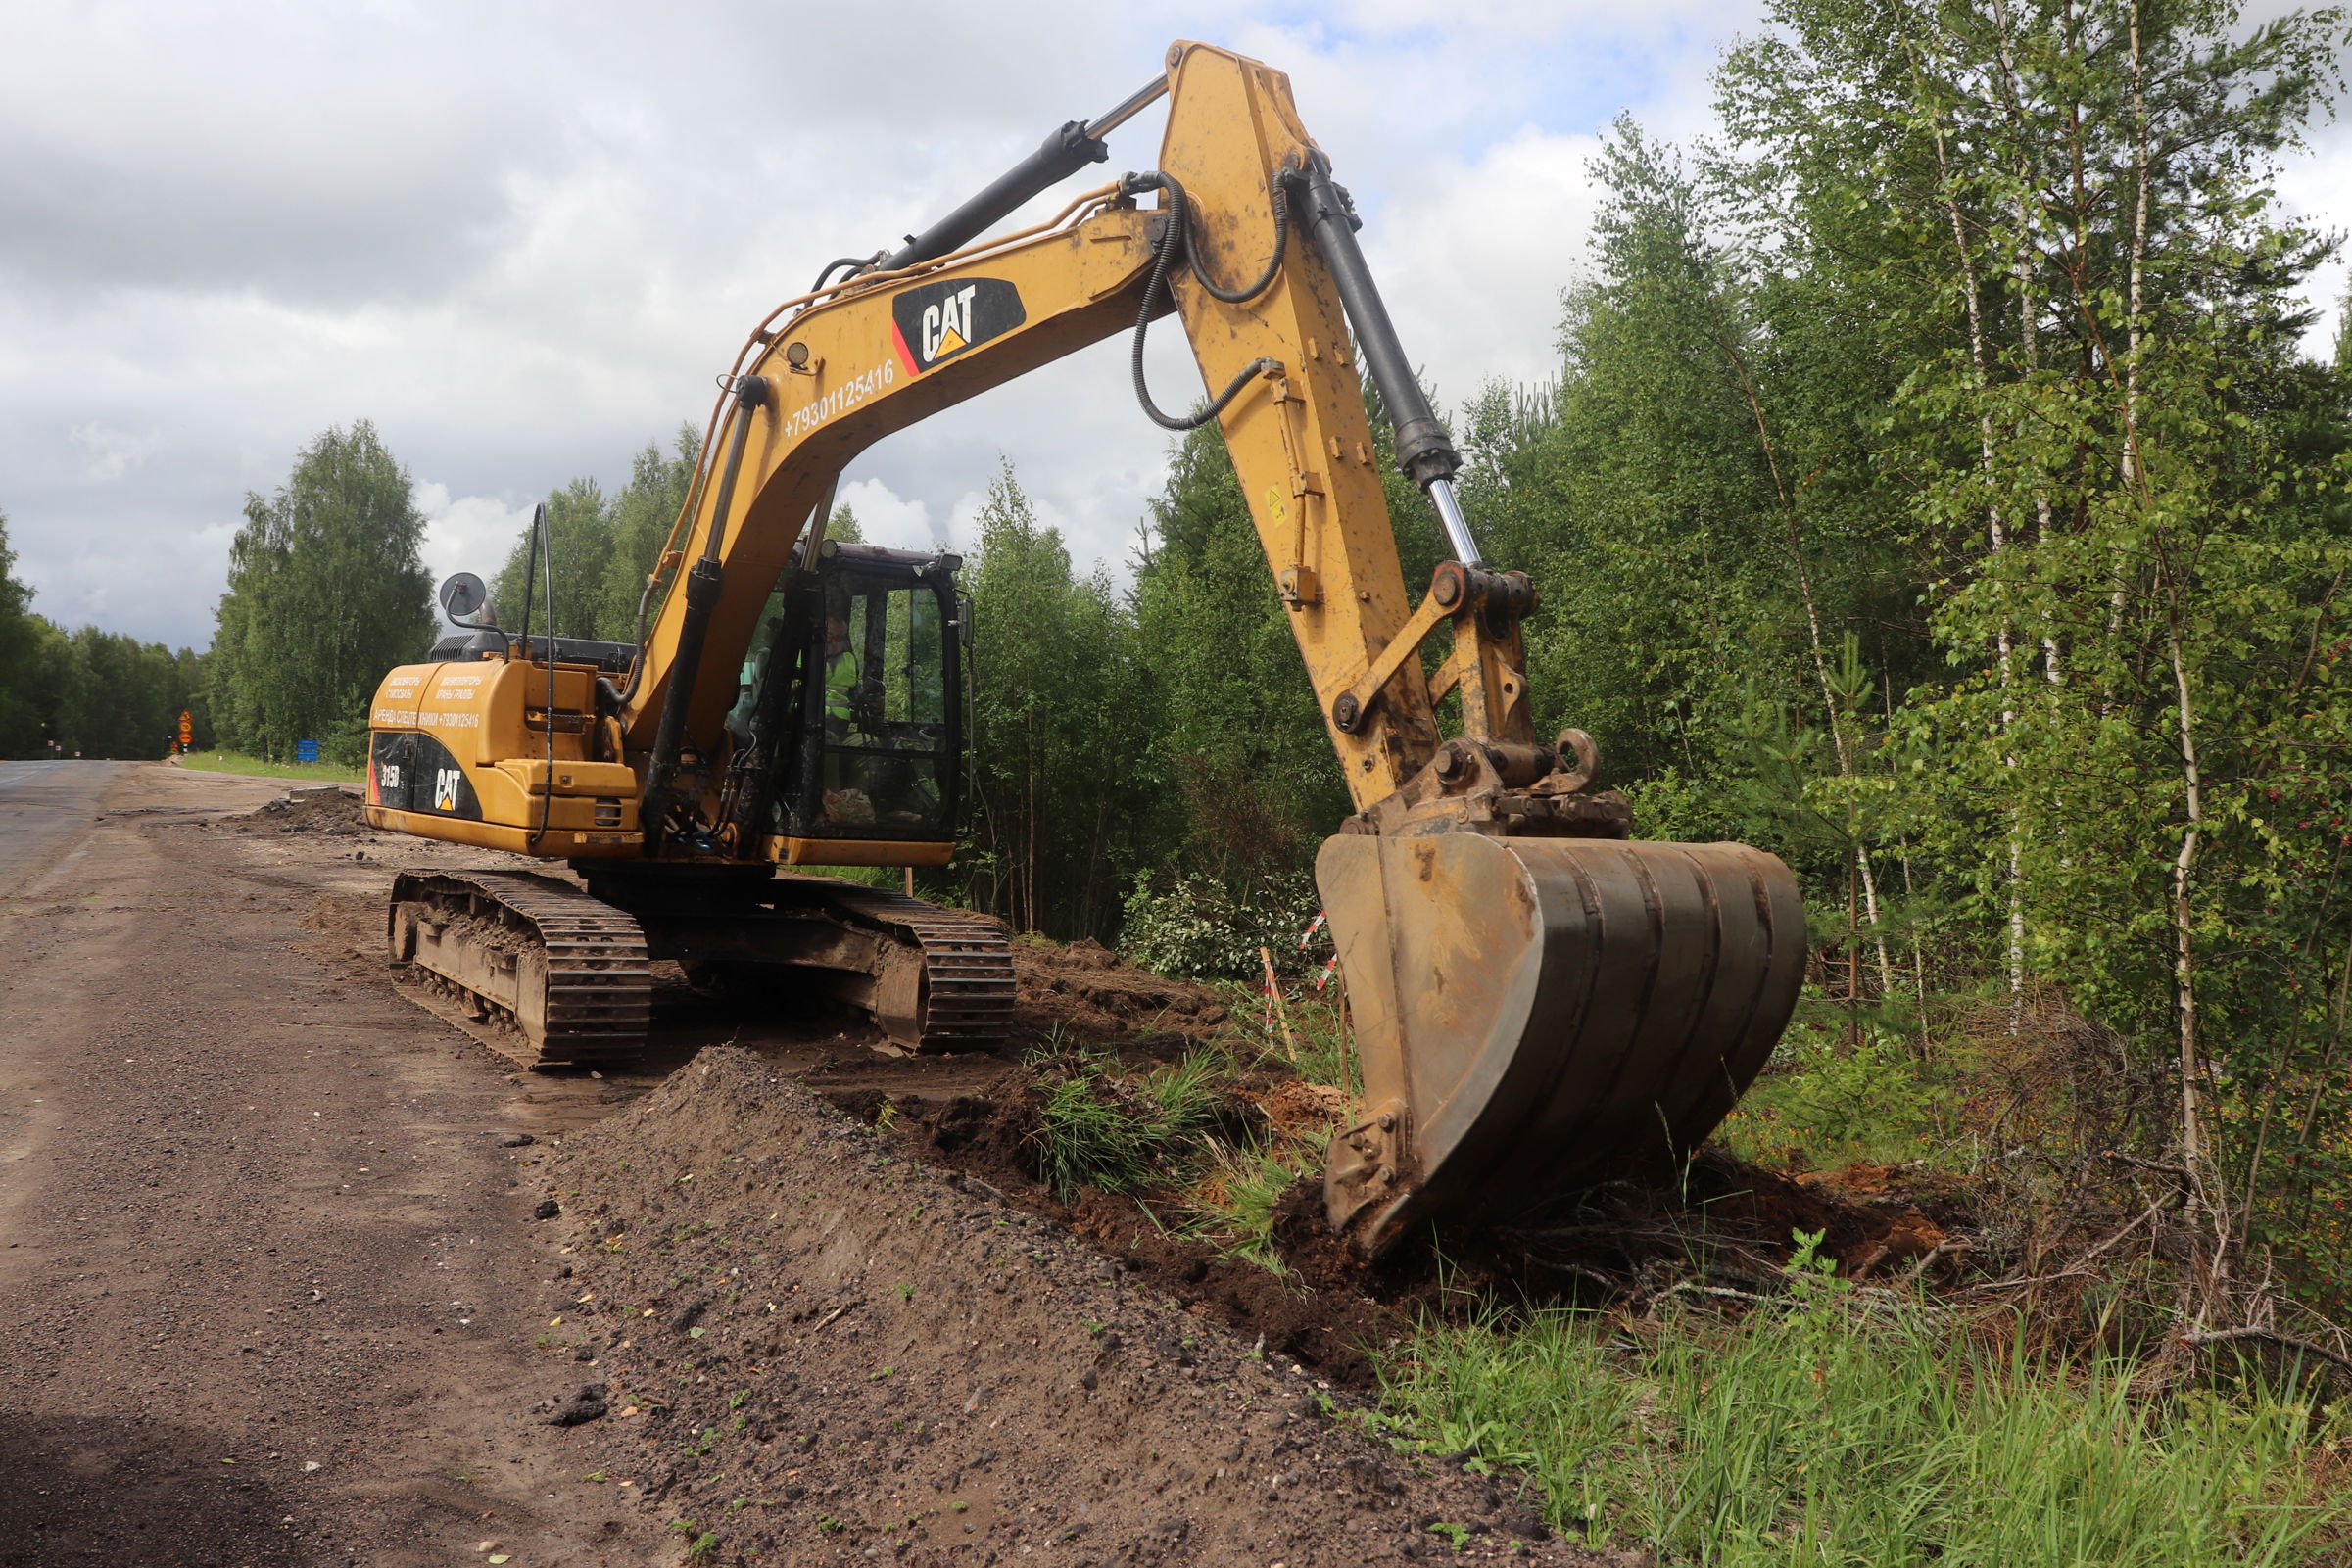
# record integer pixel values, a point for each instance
(890, 347)
(1539, 1000)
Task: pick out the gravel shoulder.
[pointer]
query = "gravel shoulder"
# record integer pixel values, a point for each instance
(294, 1272)
(266, 1271)
(282, 1283)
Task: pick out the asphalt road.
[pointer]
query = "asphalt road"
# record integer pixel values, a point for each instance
(43, 807)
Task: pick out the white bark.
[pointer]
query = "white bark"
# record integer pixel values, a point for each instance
(1998, 539)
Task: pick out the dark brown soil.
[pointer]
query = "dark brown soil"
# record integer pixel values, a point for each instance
(1084, 994)
(1319, 1316)
(818, 1349)
(1723, 1221)
(1087, 1386)
(330, 809)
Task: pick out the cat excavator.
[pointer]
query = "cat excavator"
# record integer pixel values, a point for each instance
(1540, 1001)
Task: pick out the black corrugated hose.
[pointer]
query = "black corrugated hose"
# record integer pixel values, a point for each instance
(1177, 234)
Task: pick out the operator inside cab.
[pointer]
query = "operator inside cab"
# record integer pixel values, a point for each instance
(844, 800)
(841, 675)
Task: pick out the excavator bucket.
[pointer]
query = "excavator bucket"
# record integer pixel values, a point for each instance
(1535, 1015)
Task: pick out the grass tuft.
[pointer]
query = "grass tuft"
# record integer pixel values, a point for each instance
(1118, 1134)
(1233, 1201)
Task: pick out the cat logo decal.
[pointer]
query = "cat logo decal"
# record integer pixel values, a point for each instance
(934, 322)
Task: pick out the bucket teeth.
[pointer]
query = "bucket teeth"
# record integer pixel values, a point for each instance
(1536, 1015)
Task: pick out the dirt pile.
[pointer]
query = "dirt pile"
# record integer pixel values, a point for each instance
(813, 1349)
(333, 811)
(1083, 992)
(1722, 1222)
(1318, 1314)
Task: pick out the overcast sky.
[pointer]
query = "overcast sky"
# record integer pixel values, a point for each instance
(523, 238)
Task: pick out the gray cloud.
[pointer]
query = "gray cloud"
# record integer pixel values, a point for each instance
(296, 153)
(523, 238)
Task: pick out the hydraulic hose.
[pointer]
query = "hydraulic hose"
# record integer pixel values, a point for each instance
(841, 264)
(702, 582)
(1172, 237)
(1274, 262)
(530, 571)
(546, 559)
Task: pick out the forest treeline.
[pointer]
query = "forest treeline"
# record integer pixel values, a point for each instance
(326, 593)
(84, 692)
(2017, 629)
(1934, 491)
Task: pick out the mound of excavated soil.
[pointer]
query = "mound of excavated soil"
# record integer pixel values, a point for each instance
(333, 810)
(1621, 1242)
(797, 1339)
(1322, 1315)
(1083, 992)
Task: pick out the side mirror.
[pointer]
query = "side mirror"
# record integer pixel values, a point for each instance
(462, 595)
(963, 619)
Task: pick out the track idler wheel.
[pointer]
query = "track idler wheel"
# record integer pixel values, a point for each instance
(1536, 1015)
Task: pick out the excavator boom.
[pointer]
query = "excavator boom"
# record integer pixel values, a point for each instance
(1540, 1000)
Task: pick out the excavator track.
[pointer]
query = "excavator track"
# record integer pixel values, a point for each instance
(967, 990)
(554, 977)
(533, 957)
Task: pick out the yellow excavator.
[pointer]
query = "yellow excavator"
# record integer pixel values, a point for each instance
(1540, 1001)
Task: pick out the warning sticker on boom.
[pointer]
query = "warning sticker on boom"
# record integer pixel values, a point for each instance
(935, 323)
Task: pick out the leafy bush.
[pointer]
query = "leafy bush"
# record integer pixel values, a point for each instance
(346, 742)
(1199, 929)
(1873, 1102)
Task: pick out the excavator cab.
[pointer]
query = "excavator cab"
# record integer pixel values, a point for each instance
(848, 724)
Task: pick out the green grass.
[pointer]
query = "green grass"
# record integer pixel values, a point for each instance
(1317, 1030)
(1832, 1105)
(1839, 1431)
(1233, 1201)
(1118, 1134)
(1327, 1049)
(238, 762)
(1122, 1132)
(891, 878)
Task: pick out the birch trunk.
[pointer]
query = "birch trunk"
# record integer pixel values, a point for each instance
(1847, 767)
(1997, 533)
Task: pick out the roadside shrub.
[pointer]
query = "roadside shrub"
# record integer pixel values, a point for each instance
(1833, 1106)
(1196, 928)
